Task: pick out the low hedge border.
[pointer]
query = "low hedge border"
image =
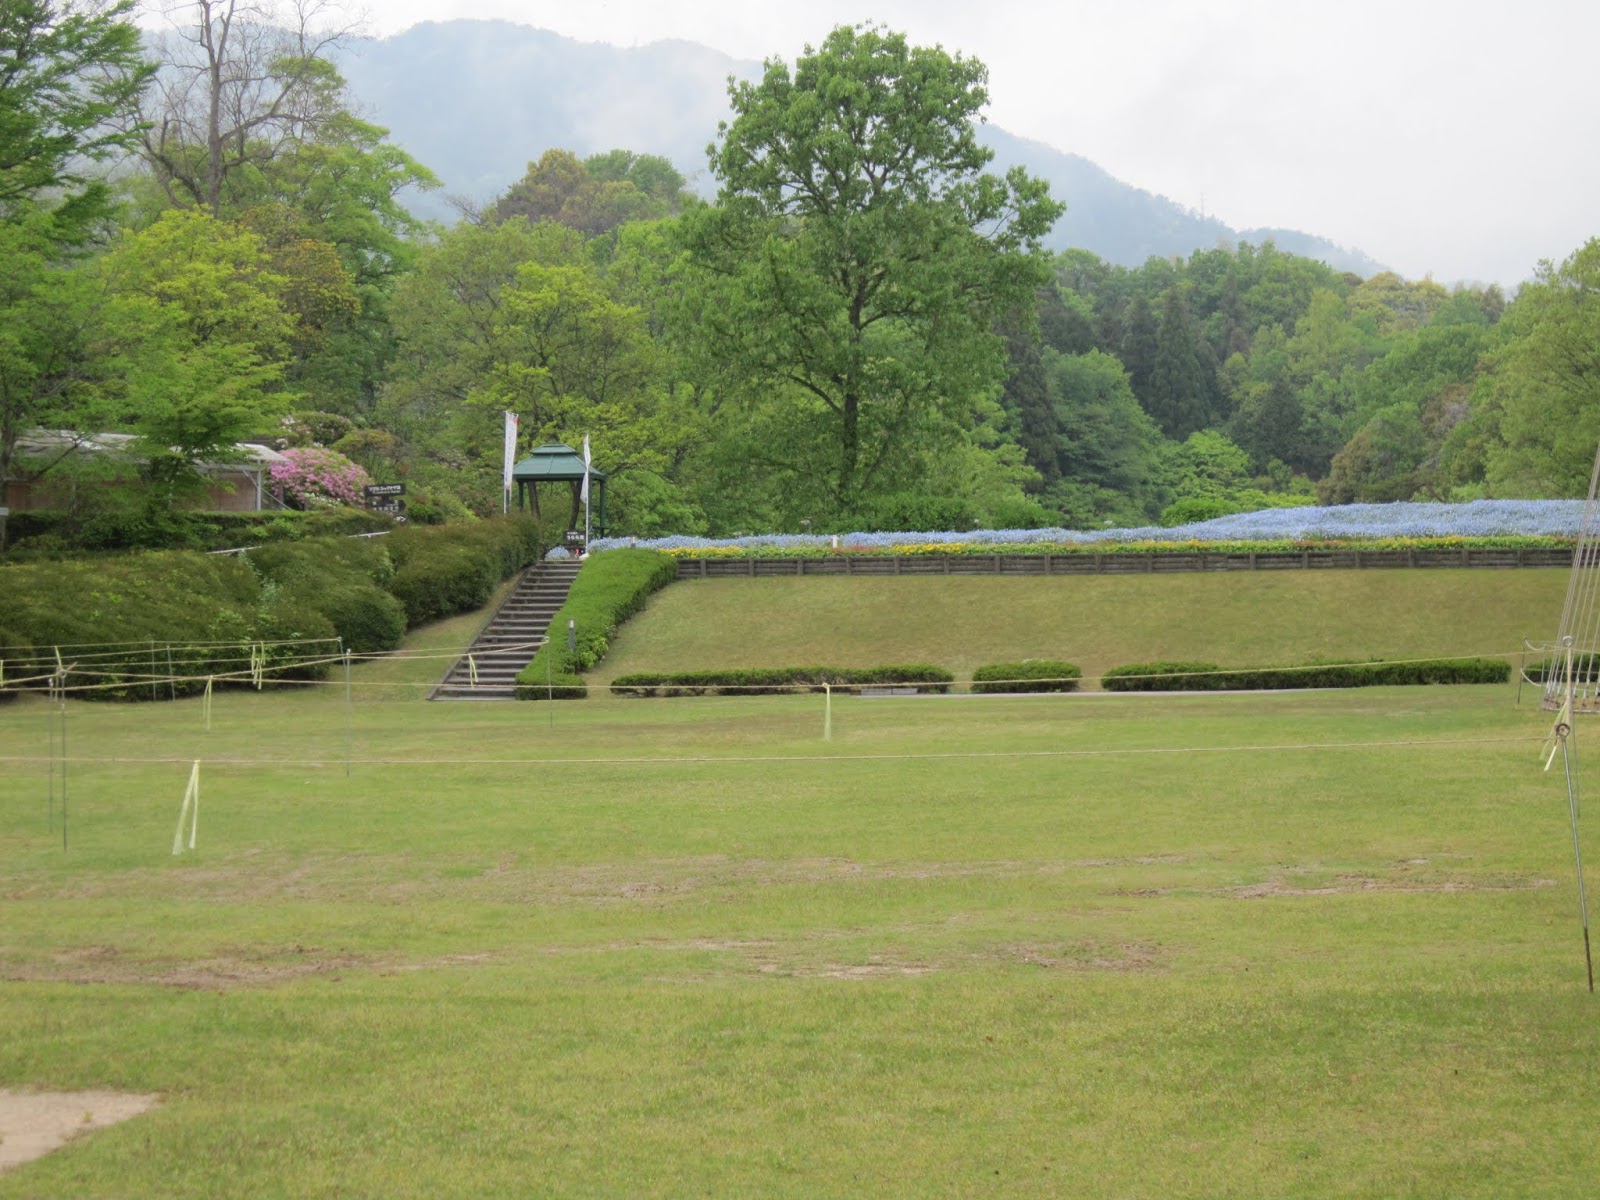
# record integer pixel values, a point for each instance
(47, 535)
(1030, 675)
(767, 681)
(612, 586)
(1585, 667)
(1208, 677)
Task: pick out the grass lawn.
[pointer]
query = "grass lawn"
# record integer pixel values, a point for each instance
(1311, 944)
(1235, 619)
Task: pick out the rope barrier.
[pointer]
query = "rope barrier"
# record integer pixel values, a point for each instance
(701, 759)
(260, 669)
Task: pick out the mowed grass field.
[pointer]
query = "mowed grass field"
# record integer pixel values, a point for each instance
(1234, 619)
(1307, 944)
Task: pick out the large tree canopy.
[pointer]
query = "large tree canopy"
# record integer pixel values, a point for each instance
(863, 258)
(67, 70)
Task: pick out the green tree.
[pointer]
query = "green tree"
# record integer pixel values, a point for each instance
(594, 195)
(50, 373)
(861, 257)
(196, 321)
(1105, 443)
(572, 361)
(68, 72)
(1139, 347)
(1545, 385)
(1181, 387)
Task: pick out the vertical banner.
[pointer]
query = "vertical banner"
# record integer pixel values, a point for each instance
(586, 493)
(510, 461)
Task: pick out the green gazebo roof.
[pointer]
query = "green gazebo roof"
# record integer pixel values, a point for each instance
(554, 461)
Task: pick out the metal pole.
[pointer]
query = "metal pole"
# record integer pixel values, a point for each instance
(1577, 851)
(348, 704)
(50, 728)
(63, 765)
(1564, 733)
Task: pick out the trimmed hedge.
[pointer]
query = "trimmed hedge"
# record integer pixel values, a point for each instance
(116, 619)
(339, 578)
(766, 681)
(441, 570)
(50, 534)
(612, 586)
(1584, 667)
(158, 606)
(1208, 677)
(1031, 675)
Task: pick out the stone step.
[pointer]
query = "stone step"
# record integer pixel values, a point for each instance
(522, 621)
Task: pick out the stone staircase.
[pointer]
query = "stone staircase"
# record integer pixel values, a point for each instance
(507, 642)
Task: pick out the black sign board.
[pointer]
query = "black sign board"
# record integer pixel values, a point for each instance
(574, 539)
(385, 498)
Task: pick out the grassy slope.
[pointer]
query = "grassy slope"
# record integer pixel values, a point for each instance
(999, 947)
(1234, 619)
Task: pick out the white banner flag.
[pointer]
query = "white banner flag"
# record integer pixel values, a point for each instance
(511, 456)
(585, 493)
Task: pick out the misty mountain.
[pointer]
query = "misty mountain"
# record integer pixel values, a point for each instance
(476, 101)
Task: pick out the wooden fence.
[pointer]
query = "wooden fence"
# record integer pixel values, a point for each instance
(1154, 563)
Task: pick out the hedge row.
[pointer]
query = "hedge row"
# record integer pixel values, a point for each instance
(120, 620)
(1584, 667)
(441, 570)
(612, 586)
(757, 681)
(1032, 675)
(341, 578)
(114, 621)
(53, 535)
(1208, 677)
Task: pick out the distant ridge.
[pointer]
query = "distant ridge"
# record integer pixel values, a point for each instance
(476, 101)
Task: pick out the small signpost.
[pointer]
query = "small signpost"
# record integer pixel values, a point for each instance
(385, 498)
(575, 541)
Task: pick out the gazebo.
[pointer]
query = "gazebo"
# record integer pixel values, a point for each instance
(559, 463)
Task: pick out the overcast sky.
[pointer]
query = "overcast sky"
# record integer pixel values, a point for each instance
(1457, 138)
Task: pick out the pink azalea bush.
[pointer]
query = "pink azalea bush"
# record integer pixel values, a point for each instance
(314, 476)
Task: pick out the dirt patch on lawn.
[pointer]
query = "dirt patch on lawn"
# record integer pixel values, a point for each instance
(1090, 956)
(1351, 885)
(222, 970)
(32, 1124)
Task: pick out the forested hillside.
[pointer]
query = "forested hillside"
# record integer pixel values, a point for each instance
(866, 327)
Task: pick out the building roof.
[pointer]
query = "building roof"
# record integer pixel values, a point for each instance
(54, 441)
(554, 461)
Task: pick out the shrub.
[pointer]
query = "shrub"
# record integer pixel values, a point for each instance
(441, 570)
(1031, 675)
(340, 578)
(313, 475)
(1161, 677)
(14, 651)
(288, 618)
(120, 621)
(1584, 667)
(611, 587)
(761, 681)
(1189, 677)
